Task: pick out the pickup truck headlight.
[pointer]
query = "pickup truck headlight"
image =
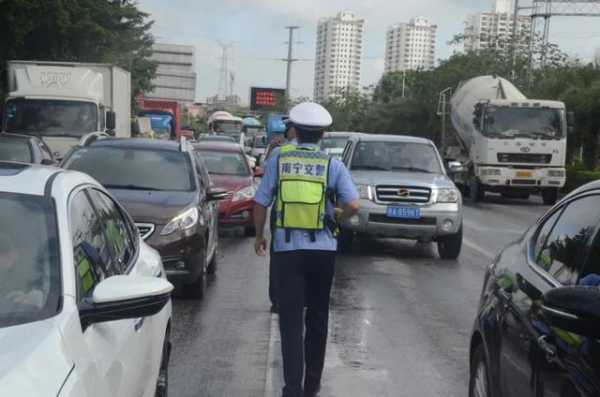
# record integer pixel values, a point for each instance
(365, 192)
(246, 193)
(184, 221)
(556, 173)
(490, 172)
(447, 195)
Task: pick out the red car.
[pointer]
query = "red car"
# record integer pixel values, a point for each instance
(230, 170)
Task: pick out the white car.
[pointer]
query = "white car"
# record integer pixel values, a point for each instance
(85, 308)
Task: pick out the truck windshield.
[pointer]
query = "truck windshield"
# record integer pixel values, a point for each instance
(29, 260)
(227, 126)
(338, 142)
(396, 156)
(513, 122)
(51, 117)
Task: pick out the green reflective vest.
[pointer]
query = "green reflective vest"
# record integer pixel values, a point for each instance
(302, 188)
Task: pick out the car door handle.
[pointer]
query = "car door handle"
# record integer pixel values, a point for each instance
(138, 324)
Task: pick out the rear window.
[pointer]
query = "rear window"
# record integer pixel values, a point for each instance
(15, 150)
(135, 169)
(225, 163)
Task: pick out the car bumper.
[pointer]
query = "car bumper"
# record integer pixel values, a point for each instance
(436, 220)
(182, 254)
(236, 214)
(504, 177)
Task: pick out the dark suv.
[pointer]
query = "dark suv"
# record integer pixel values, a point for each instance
(537, 330)
(166, 189)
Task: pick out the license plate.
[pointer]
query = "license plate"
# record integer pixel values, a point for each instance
(524, 174)
(404, 212)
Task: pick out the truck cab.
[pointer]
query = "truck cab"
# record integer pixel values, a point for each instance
(65, 103)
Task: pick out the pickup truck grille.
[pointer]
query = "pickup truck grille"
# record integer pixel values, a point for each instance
(145, 230)
(533, 158)
(402, 194)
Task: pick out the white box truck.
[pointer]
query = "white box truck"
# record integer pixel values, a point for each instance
(508, 144)
(66, 103)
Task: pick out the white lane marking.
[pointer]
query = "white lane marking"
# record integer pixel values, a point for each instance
(273, 376)
(479, 249)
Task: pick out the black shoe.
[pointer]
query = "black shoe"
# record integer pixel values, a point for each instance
(275, 308)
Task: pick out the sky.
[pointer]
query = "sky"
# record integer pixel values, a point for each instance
(255, 30)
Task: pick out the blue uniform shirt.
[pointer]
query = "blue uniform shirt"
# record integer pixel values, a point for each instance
(339, 182)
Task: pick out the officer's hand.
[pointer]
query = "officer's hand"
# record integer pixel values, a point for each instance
(338, 214)
(260, 246)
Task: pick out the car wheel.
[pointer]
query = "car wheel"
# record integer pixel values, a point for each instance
(195, 290)
(550, 196)
(479, 381)
(162, 383)
(476, 191)
(212, 265)
(345, 240)
(449, 247)
(250, 231)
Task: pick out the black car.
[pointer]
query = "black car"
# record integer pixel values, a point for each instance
(25, 149)
(537, 331)
(166, 189)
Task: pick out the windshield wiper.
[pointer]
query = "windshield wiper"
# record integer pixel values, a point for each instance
(370, 167)
(132, 187)
(413, 169)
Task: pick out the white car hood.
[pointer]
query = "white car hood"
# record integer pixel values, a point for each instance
(32, 360)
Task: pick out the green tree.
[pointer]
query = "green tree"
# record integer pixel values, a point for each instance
(80, 31)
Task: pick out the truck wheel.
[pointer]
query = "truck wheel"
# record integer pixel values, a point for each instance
(345, 240)
(449, 247)
(250, 231)
(550, 196)
(476, 191)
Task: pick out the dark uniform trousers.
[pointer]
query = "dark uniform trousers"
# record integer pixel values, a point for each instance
(304, 279)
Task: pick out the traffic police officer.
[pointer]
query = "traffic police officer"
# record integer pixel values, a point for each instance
(303, 182)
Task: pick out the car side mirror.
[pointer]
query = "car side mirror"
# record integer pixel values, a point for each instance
(217, 195)
(455, 167)
(111, 122)
(574, 309)
(48, 162)
(125, 297)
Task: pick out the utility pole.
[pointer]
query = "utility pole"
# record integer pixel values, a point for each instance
(403, 82)
(514, 41)
(289, 60)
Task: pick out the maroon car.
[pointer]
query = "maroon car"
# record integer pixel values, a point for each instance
(230, 170)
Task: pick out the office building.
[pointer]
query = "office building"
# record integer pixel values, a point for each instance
(494, 29)
(338, 55)
(410, 46)
(176, 73)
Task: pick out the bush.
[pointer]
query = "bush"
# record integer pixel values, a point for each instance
(577, 177)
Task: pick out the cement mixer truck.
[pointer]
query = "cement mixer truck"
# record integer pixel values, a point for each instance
(506, 143)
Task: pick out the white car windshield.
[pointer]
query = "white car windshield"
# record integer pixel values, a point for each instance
(29, 260)
(396, 156)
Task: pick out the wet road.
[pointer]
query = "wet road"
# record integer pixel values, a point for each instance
(400, 316)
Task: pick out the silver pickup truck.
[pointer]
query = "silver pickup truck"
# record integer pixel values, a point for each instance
(404, 192)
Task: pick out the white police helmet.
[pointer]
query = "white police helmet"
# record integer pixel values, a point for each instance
(310, 116)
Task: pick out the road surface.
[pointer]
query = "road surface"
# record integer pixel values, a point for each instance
(400, 316)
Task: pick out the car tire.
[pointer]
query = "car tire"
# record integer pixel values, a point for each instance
(162, 383)
(479, 385)
(449, 246)
(195, 290)
(250, 231)
(476, 191)
(212, 265)
(345, 239)
(549, 196)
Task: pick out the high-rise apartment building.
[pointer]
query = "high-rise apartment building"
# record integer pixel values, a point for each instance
(338, 55)
(175, 76)
(494, 29)
(410, 46)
